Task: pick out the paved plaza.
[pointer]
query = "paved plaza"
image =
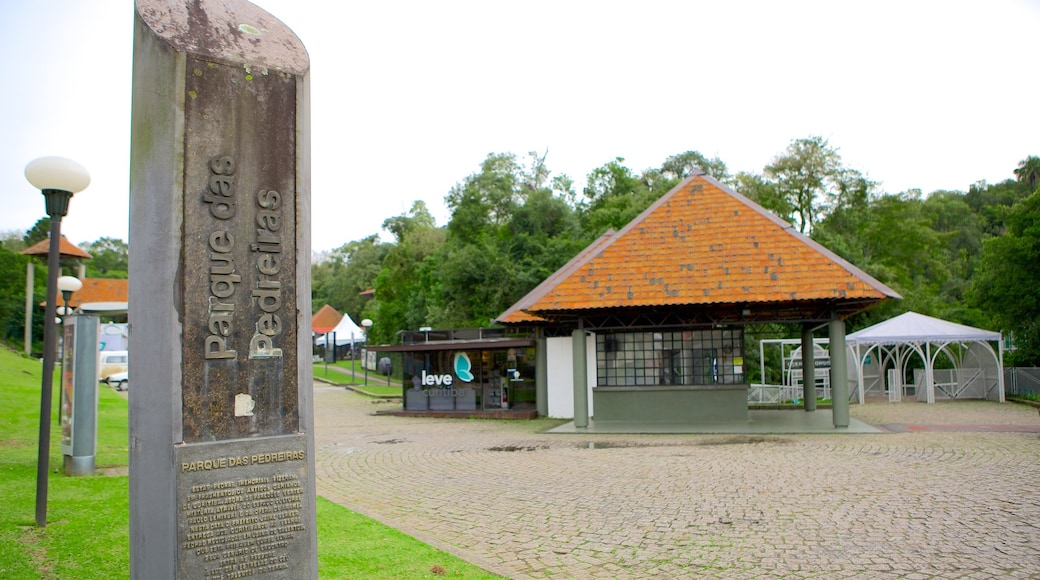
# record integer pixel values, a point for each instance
(950, 490)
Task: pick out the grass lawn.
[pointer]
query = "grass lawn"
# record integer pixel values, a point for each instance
(376, 384)
(87, 536)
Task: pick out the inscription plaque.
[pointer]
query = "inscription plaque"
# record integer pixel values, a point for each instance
(243, 508)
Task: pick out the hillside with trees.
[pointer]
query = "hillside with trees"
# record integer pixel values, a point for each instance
(967, 256)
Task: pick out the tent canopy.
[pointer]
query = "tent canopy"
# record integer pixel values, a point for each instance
(978, 368)
(911, 327)
(346, 332)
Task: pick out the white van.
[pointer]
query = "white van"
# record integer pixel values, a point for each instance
(111, 362)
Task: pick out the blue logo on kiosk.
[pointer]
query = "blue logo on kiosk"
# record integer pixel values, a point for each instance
(462, 367)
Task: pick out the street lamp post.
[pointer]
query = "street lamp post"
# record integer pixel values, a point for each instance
(57, 179)
(367, 323)
(66, 285)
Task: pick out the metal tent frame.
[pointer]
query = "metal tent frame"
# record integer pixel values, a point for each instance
(898, 339)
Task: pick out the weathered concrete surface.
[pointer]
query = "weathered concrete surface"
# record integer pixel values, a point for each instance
(925, 504)
(220, 304)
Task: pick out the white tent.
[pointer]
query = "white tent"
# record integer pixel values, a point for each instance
(346, 332)
(891, 345)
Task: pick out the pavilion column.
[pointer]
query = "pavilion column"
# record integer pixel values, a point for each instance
(839, 374)
(581, 379)
(808, 369)
(541, 375)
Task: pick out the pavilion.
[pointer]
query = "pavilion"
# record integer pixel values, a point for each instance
(646, 325)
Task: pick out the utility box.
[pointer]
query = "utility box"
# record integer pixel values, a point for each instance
(79, 394)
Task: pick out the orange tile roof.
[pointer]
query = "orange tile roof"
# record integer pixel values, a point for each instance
(66, 248)
(701, 244)
(325, 319)
(99, 290)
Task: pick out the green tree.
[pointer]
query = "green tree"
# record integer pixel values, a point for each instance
(475, 273)
(961, 233)
(408, 293)
(993, 200)
(1028, 172)
(614, 195)
(682, 165)
(543, 235)
(842, 230)
(679, 167)
(13, 240)
(807, 174)
(349, 270)
(109, 258)
(40, 231)
(12, 294)
(900, 240)
(417, 218)
(512, 224)
(476, 283)
(1005, 285)
(485, 201)
(765, 193)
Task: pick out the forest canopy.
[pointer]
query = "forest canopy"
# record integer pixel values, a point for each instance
(965, 256)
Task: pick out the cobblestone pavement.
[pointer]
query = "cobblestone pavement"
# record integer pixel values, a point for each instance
(917, 505)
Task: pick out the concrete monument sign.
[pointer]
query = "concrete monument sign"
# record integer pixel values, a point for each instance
(221, 439)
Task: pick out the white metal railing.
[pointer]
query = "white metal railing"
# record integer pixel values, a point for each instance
(760, 394)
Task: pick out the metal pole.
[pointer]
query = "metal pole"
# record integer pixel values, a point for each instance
(367, 324)
(29, 275)
(47, 386)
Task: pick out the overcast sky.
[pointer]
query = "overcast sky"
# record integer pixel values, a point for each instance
(410, 97)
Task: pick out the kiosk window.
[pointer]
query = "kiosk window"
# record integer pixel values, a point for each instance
(688, 357)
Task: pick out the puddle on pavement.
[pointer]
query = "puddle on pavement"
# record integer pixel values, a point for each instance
(599, 445)
(742, 440)
(513, 448)
(733, 440)
(613, 445)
